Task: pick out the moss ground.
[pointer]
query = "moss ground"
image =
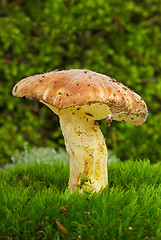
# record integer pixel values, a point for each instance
(35, 203)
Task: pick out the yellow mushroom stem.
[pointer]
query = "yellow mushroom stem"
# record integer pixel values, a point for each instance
(86, 149)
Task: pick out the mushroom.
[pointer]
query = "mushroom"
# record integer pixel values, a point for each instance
(80, 98)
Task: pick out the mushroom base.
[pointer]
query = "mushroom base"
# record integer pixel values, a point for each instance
(87, 152)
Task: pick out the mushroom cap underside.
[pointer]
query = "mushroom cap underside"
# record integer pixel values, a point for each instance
(86, 89)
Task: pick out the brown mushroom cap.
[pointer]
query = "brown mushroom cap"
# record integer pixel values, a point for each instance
(77, 87)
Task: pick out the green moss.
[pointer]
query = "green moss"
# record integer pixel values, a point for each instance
(34, 199)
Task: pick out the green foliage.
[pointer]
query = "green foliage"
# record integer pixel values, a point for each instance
(115, 37)
(34, 198)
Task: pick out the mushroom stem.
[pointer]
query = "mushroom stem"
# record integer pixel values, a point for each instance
(87, 151)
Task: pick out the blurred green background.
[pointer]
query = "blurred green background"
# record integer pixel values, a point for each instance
(115, 37)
